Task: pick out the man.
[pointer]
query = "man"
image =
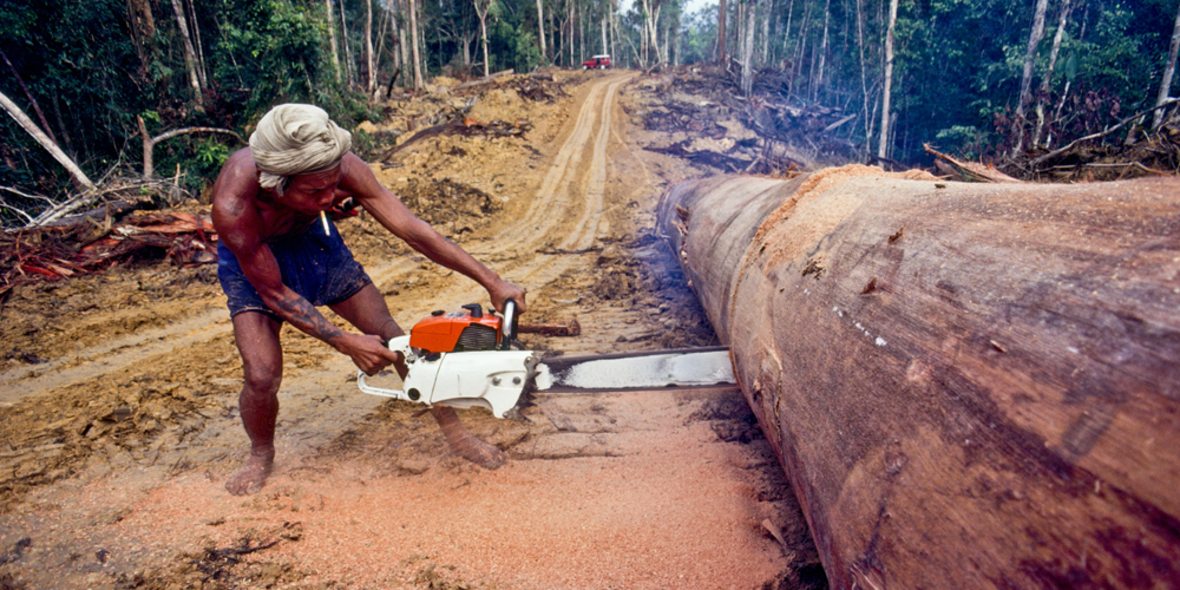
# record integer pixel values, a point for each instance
(279, 258)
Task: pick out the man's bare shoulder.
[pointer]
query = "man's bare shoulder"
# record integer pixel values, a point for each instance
(235, 192)
(356, 178)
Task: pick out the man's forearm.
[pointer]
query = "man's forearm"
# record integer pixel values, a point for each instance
(304, 316)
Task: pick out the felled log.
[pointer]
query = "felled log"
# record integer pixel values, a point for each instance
(972, 386)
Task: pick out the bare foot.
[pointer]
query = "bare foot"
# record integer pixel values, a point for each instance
(463, 443)
(249, 479)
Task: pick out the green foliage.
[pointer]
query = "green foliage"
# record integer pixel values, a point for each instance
(272, 48)
(528, 53)
(92, 66)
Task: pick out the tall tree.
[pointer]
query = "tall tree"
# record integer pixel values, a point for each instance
(1030, 55)
(349, 69)
(748, 51)
(190, 54)
(370, 58)
(883, 144)
(541, 30)
(1046, 83)
(720, 53)
(414, 44)
(482, 8)
(332, 33)
(1169, 71)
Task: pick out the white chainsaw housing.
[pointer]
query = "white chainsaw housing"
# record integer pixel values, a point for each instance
(492, 379)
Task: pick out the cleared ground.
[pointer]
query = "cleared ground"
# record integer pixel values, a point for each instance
(120, 424)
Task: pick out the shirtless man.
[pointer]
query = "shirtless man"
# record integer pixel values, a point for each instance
(279, 258)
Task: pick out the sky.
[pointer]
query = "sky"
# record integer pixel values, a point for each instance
(691, 6)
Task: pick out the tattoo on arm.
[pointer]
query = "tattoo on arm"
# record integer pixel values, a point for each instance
(303, 315)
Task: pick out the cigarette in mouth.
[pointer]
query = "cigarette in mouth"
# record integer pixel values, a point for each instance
(324, 218)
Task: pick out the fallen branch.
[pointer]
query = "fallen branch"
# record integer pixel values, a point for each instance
(969, 171)
(149, 143)
(1036, 161)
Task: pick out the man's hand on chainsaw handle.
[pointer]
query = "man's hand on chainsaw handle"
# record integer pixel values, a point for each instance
(502, 291)
(368, 353)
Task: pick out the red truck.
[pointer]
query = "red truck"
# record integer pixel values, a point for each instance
(601, 62)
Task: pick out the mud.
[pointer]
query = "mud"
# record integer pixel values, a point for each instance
(119, 398)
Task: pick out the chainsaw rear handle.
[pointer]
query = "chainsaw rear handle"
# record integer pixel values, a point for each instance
(509, 327)
(399, 344)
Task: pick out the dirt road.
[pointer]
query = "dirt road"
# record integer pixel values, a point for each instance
(120, 409)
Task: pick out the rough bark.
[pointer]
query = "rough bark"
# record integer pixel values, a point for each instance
(969, 386)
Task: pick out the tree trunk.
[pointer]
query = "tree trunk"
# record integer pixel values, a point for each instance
(190, 55)
(823, 51)
(1030, 59)
(1046, 84)
(349, 67)
(968, 385)
(722, 58)
(801, 40)
(652, 10)
(769, 16)
(605, 47)
(414, 45)
(883, 144)
(481, 9)
(142, 24)
(748, 51)
(196, 29)
(541, 31)
(81, 181)
(335, 47)
(370, 57)
(1169, 71)
(864, 75)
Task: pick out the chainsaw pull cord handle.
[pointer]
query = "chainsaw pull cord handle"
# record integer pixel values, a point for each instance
(509, 325)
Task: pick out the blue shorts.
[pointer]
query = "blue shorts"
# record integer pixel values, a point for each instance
(318, 267)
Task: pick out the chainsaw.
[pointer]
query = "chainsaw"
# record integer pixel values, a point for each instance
(469, 358)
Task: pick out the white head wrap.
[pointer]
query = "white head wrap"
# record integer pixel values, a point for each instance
(296, 139)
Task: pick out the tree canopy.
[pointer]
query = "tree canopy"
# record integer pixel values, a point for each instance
(86, 72)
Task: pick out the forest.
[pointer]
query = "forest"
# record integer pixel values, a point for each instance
(98, 90)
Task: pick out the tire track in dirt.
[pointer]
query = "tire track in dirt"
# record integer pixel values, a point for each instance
(94, 362)
(566, 211)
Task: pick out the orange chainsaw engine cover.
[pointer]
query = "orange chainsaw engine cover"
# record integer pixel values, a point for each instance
(467, 329)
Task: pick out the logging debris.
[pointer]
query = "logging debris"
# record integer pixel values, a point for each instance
(776, 133)
(89, 246)
(1129, 148)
